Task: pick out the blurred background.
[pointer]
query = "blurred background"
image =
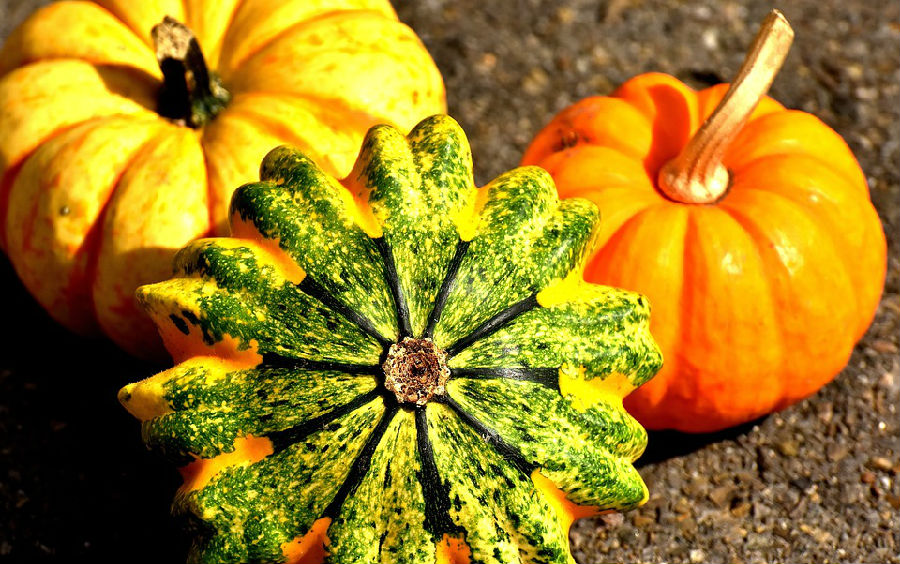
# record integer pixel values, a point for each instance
(815, 483)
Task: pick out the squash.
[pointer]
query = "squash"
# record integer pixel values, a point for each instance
(753, 236)
(118, 144)
(398, 367)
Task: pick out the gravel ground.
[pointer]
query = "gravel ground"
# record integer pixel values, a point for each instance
(815, 483)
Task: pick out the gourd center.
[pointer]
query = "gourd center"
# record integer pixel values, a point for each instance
(415, 370)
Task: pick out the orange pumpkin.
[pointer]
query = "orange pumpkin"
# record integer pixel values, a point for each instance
(109, 164)
(753, 236)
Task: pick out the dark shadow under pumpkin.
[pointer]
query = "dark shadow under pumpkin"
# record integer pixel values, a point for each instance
(76, 483)
(663, 445)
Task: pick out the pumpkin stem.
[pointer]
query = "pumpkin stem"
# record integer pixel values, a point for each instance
(697, 175)
(416, 371)
(191, 95)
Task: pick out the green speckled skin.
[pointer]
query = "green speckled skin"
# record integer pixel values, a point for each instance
(291, 358)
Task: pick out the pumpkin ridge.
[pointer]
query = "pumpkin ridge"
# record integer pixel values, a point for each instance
(92, 270)
(314, 289)
(493, 324)
(282, 132)
(215, 48)
(90, 244)
(360, 466)
(547, 377)
(235, 66)
(462, 246)
(761, 245)
(393, 282)
(339, 105)
(288, 437)
(490, 436)
(841, 247)
(435, 491)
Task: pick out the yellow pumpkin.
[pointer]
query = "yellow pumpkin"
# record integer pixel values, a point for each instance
(109, 164)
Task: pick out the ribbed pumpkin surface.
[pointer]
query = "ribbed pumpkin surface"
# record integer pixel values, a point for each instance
(99, 187)
(279, 409)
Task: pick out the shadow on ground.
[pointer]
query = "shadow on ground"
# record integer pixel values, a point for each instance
(78, 480)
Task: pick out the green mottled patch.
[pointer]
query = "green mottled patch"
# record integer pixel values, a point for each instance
(604, 330)
(587, 455)
(506, 519)
(251, 301)
(389, 530)
(209, 413)
(302, 208)
(413, 251)
(525, 240)
(417, 187)
(248, 511)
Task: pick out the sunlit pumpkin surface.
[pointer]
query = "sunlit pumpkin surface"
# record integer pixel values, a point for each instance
(758, 298)
(289, 439)
(97, 190)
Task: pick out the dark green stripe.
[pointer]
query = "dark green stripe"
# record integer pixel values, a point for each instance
(446, 286)
(312, 288)
(435, 492)
(548, 377)
(292, 435)
(493, 324)
(491, 437)
(393, 281)
(274, 360)
(360, 465)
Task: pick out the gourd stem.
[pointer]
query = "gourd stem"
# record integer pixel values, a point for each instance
(697, 175)
(191, 95)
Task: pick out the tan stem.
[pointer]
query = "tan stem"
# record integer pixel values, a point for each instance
(191, 95)
(697, 175)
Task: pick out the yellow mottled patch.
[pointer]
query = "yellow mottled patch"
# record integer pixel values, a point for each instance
(146, 399)
(585, 393)
(564, 290)
(467, 218)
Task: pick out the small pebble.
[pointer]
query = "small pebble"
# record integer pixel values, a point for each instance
(741, 510)
(880, 463)
(885, 347)
(787, 448)
(721, 495)
(837, 452)
(893, 500)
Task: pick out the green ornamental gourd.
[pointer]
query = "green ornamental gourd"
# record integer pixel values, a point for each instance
(398, 367)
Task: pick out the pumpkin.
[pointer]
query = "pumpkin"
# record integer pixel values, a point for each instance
(118, 144)
(398, 367)
(747, 225)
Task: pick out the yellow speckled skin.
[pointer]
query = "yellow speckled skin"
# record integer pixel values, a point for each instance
(97, 191)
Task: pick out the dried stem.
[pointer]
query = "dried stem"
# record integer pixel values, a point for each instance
(697, 175)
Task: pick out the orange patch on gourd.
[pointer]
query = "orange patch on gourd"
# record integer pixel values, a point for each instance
(452, 550)
(247, 450)
(309, 548)
(566, 511)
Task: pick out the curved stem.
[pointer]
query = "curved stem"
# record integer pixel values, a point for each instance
(697, 175)
(191, 95)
